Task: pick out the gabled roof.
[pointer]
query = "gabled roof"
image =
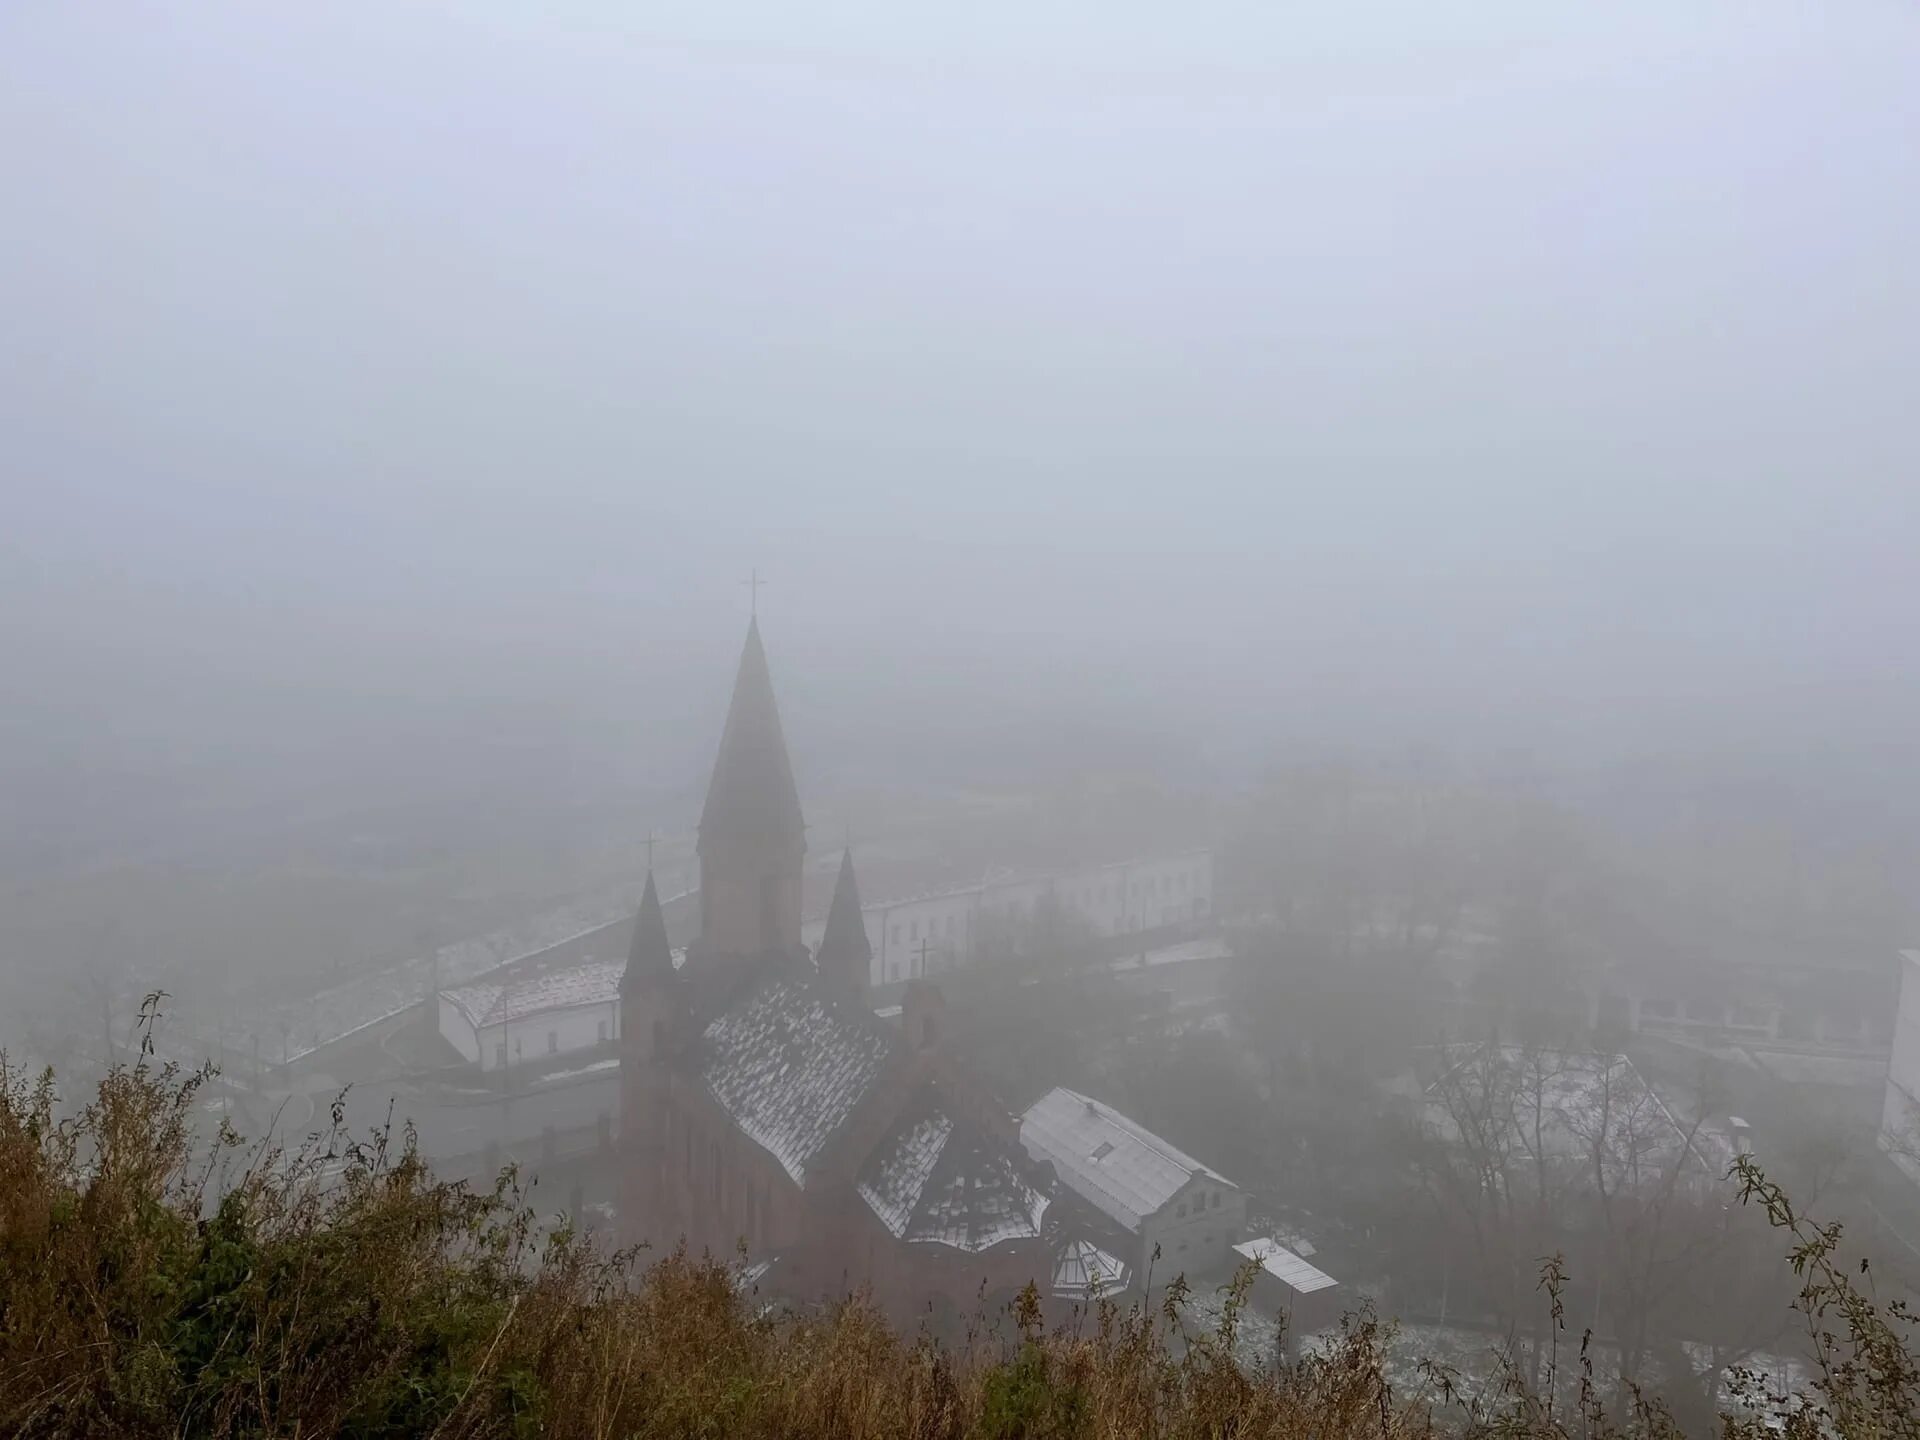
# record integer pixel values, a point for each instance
(650, 956)
(514, 997)
(752, 789)
(789, 1066)
(1122, 1169)
(934, 1180)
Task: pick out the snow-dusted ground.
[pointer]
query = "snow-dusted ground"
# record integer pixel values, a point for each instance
(1473, 1355)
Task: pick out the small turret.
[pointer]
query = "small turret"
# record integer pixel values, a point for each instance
(650, 956)
(845, 956)
(752, 836)
(648, 986)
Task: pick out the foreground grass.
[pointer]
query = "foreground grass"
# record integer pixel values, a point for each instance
(150, 1286)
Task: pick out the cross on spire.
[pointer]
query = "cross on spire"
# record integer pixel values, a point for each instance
(650, 840)
(753, 583)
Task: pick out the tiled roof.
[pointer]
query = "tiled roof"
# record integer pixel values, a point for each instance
(934, 1182)
(789, 1066)
(494, 1001)
(1124, 1171)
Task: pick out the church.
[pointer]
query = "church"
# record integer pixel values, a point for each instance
(763, 1103)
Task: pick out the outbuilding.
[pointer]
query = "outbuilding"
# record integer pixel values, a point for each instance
(1151, 1191)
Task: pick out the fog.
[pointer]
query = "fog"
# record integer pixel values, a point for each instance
(395, 399)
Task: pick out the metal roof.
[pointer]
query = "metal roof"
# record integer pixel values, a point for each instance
(1285, 1266)
(1122, 1169)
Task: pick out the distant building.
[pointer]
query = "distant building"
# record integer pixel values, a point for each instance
(917, 935)
(1149, 1191)
(1900, 1115)
(510, 1018)
(1292, 1287)
(1836, 1001)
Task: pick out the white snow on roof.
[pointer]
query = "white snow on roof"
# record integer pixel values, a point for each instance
(1281, 1263)
(1122, 1169)
(892, 1184)
(341, 1010)
(511, 997)
(929, 1183)
(789, 1067)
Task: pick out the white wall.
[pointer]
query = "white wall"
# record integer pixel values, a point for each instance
(458, 1033)
(1196, 1236)
(540, 1037)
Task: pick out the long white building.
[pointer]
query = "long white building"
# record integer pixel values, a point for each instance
(497, 1022)
(918, 934)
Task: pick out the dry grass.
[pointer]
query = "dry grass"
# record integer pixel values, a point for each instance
(152, 1287)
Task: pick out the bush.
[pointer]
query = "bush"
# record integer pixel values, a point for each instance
(150, 1286)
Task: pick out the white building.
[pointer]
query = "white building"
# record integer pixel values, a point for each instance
(919, 934)
(1154, 1193)
(508, 1019)
(1900, 1114)
(1290, 1286)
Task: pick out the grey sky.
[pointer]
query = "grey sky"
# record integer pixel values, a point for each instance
(376, 372)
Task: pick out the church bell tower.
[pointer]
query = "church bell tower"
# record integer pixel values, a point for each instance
(752, 837)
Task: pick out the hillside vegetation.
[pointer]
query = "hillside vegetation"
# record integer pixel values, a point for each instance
(151, 1285)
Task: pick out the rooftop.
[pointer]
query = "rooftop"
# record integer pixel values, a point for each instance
(938, 1182)
(313, 1021)
(1122, 1169)
(1281, 1263)
(789, 1066)
(1083, 1269)
(499, 1000)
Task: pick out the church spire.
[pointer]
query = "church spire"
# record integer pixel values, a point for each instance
(752, 786)
(845, 956)
(752, 837)
(650, 957)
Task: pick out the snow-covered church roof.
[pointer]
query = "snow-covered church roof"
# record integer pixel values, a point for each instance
(937, 1180)
(789, 1066)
